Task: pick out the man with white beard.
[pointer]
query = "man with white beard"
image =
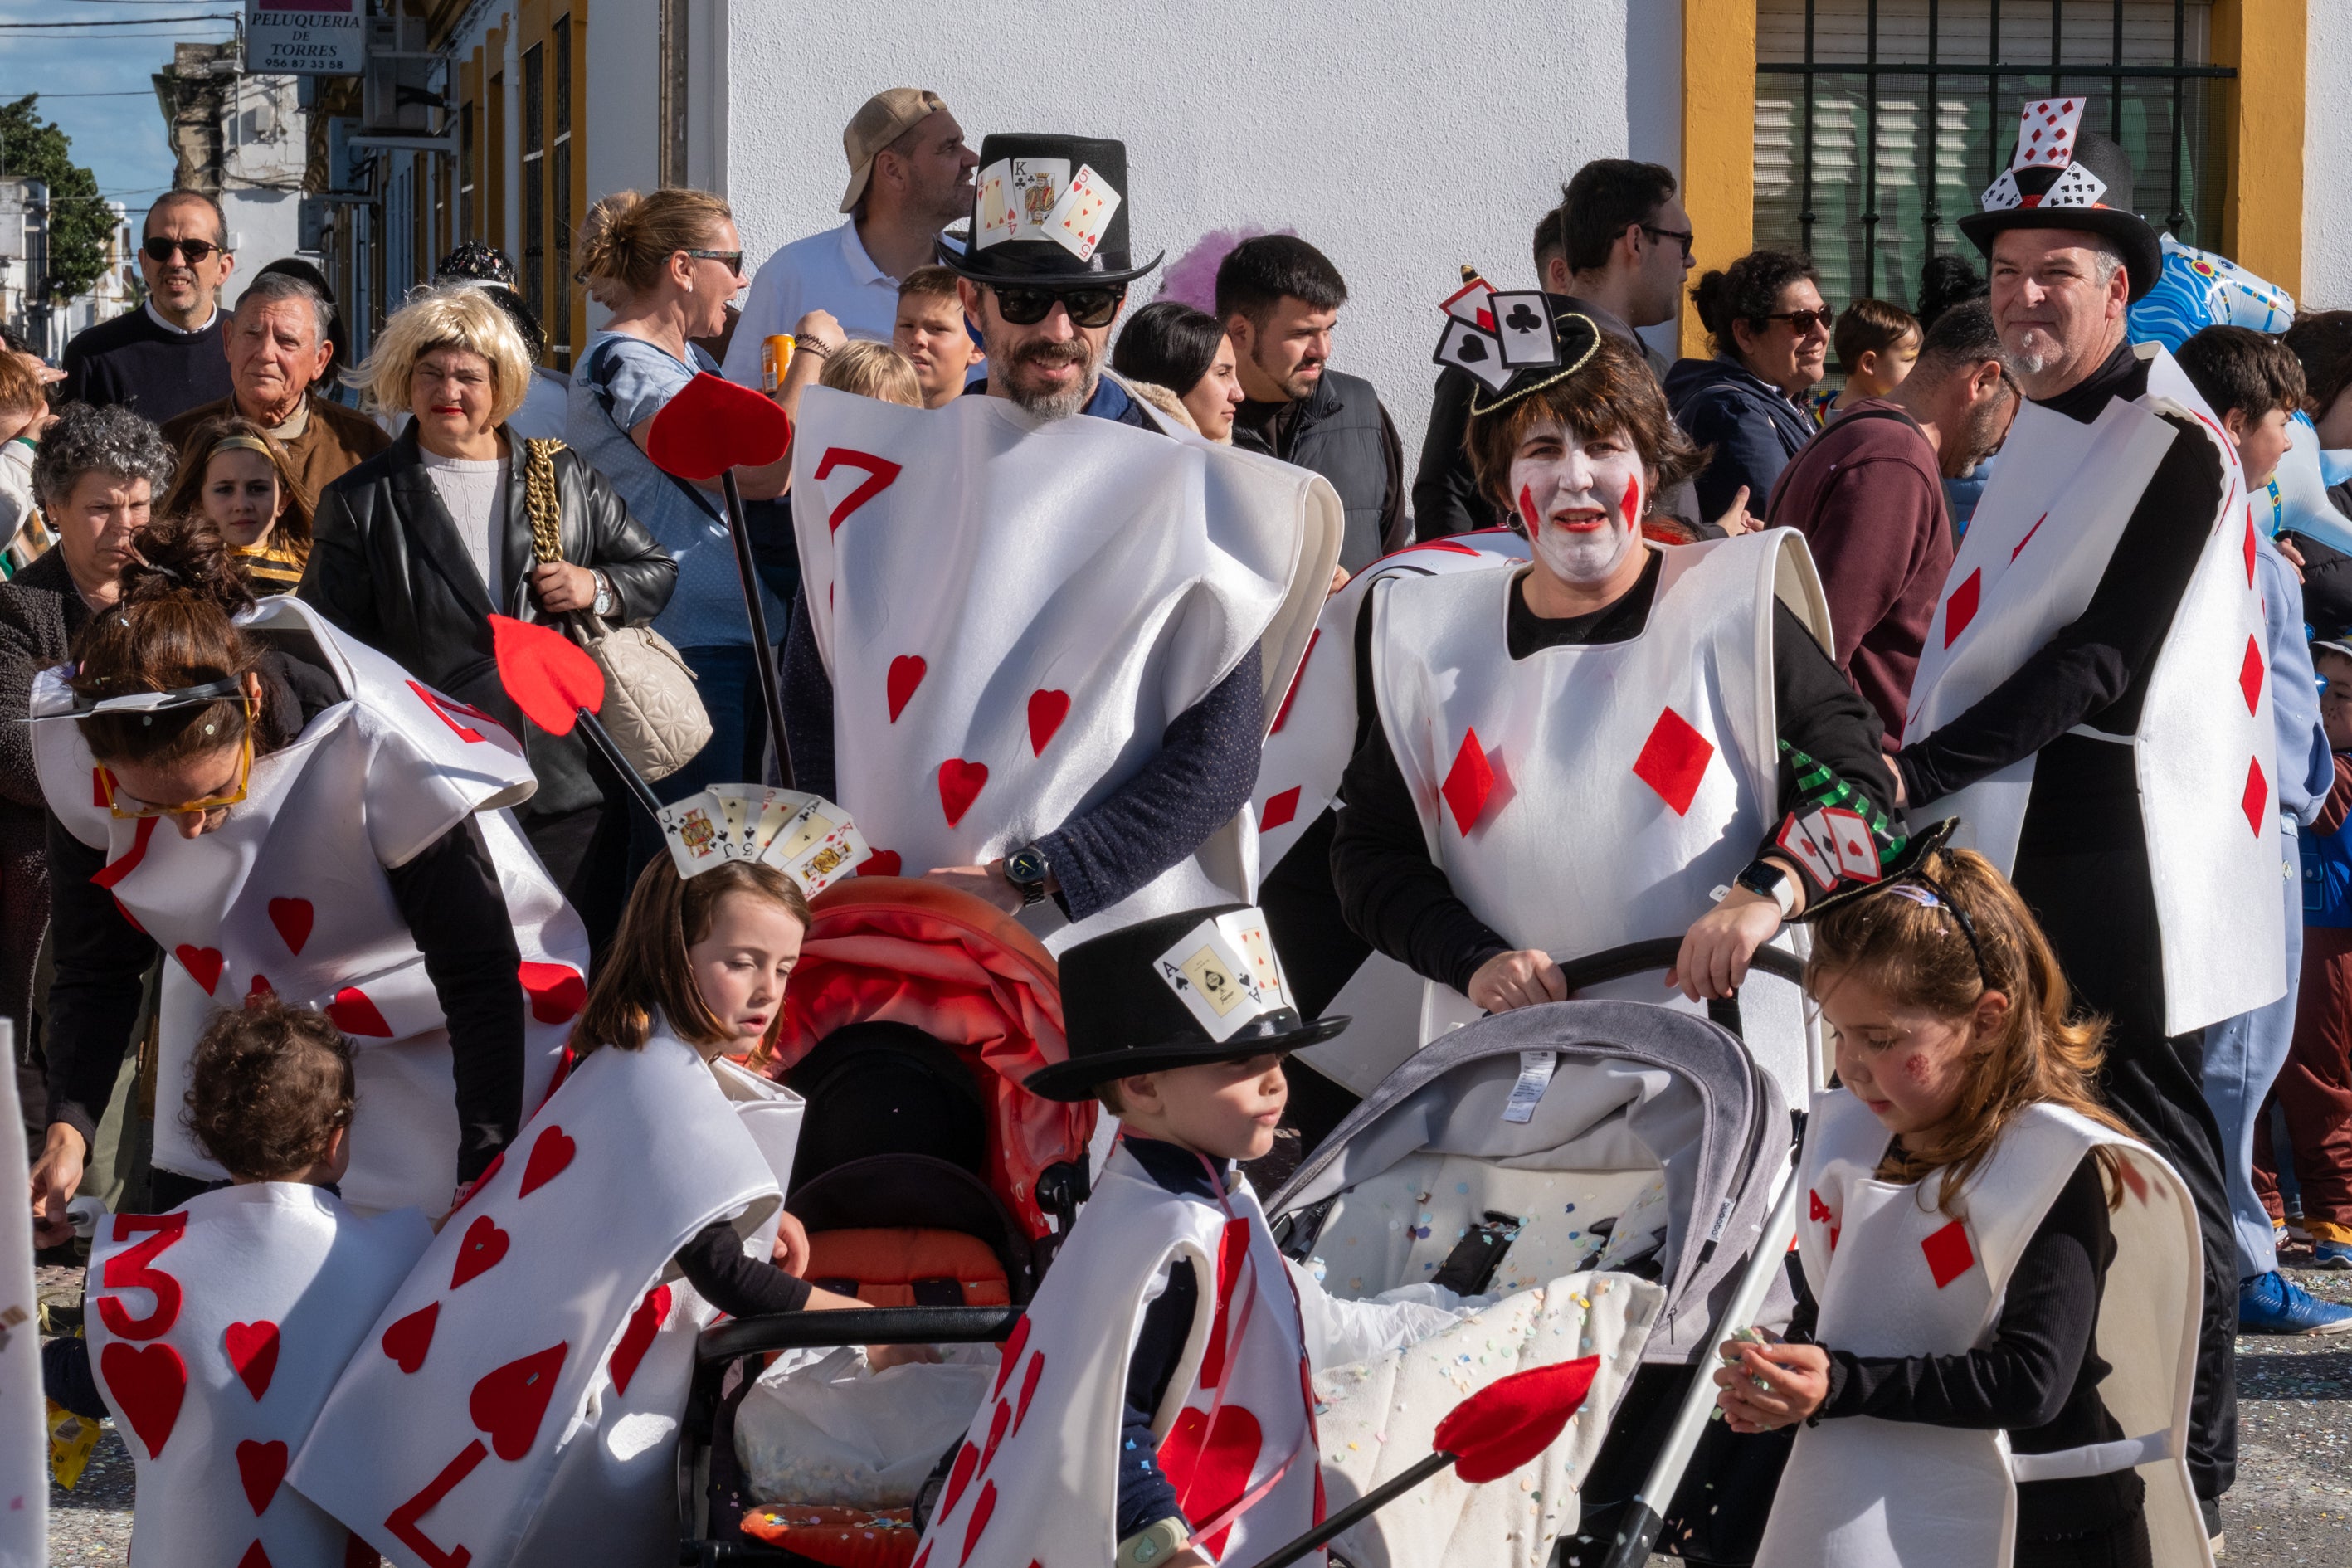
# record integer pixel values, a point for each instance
(1564, 757)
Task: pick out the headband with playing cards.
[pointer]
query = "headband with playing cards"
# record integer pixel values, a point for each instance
(1512, 345)
(1047, 211)
(2064, 177)
(1180, 990)
(1902, 867)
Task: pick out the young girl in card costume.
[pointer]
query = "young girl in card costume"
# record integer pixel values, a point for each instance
(216, 1330)
(278, 808)
(1992, 1362)
(1166, 1348)
(524, 1406)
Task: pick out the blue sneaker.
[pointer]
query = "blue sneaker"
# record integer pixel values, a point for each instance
(2331, 1255)
(2273, 1304)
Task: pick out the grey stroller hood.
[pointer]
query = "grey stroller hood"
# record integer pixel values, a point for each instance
(1634, 1087)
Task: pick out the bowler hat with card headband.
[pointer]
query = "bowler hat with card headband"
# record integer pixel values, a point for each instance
(1183, 989)
(2062, 176)
(1511, 344)
(880, 121)
(485, 267)
(1047, 211)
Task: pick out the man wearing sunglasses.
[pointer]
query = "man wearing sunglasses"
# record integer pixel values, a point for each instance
(166, 357)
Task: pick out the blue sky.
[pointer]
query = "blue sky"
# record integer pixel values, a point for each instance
(120, 137)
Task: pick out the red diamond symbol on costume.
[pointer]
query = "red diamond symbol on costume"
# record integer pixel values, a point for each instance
(1468, 782)
(1961, 607)
(2250, 544)
(1674, 759)
(2250, 676)
(1279, 809)
(2257, 798)
(1949, 1254)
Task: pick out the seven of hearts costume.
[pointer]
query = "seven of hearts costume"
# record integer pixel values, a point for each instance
(1895, 1277)
(290, 893)
(216, 1331)
(517, 1401)
(1012, 611)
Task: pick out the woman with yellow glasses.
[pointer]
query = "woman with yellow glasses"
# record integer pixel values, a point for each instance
(277, 807)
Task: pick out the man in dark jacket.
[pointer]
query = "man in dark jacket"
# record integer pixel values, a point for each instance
(164, 358)
(1278, 298)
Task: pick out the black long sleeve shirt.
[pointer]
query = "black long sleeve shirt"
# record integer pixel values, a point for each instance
(2038, 1377)
(448, 896)
(733, 1280)
(1399, 899)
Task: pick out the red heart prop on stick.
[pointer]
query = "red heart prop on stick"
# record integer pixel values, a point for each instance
(203, 965)
(293, 917)
(545, 673)
(1514, 1418)
(712, 426)
(899, 685)
(550, 1155)
(556, 990)
(484, 1245)
(1046, 712)
(148, 1382)
(639, 1337)
(354, 1014)
(507, 1404)
(253, 1351)
(261, 1467)
(407, 1340)
(959, 785)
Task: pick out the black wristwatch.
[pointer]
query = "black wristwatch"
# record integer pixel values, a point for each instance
(1766, 881)
(1025, 869)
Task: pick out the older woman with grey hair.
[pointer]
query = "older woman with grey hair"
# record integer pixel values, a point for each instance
(98, 472)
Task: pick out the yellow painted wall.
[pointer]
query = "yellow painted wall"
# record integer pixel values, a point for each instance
(1719, 171)
(2260, 135)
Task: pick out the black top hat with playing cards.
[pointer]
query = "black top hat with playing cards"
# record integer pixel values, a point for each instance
(1180, 990)
(2062, 176)
(1511, 344)
(1048, 210)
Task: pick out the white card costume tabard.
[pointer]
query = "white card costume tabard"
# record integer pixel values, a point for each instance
(1014, 610)
(1037, 1476)
(288, 894)
(23, 1433)
(2040, 540)
(519, 1400)
(215, 1331)
(1896, 1277)
(1594, 795)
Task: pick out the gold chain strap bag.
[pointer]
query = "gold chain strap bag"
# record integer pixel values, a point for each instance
(651, 709)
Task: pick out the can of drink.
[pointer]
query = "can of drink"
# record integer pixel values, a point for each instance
(775, 358)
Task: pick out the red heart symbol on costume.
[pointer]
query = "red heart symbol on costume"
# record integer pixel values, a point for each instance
(981, 1512)
(959, 785)
(1046, 712)
(148, 1382)
(712, 426)
(639, 1337)
(354, 1014)
(260, 988)
(1210, 1467)
(255, 1557)
(1015, 1344)
(966, 1460)
(507, 1404)
(545, 673)
(203, 965)
(550, 1153)
(1028, 1390)
(292, 917)
(479, 1252)
(881, 863)
(261, 1467)
(407, 1340)
(997, 1425)
(905, 674)
(253, 1351)
(556, 990)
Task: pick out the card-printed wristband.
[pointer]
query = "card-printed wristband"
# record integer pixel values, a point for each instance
(1155, 1542)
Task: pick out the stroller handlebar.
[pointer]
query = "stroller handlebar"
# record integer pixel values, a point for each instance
(873, 1326)
(1659, 953)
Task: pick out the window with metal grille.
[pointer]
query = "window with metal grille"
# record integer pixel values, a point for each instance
(559, 319)
(534, 180)
(1878, 122)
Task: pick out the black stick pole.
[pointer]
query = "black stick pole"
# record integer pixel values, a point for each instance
(763, 652)
(1364, 1507)
(602, 739)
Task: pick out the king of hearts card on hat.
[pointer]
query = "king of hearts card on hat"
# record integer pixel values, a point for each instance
(1012, 611)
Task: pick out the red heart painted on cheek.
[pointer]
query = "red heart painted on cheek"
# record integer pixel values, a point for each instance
(407, 1340)
(484, 1245)
(203, 965)
(1528, 511)
(253, 1351)
(1046, 712)
(898, 686)
(509, 1404)
(261, 1467)
(148, 1383)
(354, 1014)
(959, 785)
(557, 991)
(293, 919)
(550, 1155)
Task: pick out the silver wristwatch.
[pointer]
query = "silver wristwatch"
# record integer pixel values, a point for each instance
(605, 601)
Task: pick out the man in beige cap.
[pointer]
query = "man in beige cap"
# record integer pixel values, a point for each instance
(909, 177)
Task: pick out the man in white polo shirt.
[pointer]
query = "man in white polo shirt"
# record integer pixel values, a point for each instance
(909, 177)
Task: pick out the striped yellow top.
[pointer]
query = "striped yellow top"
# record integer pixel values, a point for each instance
(273, 568)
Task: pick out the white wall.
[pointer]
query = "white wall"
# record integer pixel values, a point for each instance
(2326, 155)
(1403, 140)
(619, 114)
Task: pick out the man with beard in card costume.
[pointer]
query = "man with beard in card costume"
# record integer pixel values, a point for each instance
(2093, 698)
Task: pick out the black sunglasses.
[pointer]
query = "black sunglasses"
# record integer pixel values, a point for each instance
(1823, 318)
(160, 248)
(733, 258)
(1093, 306)
(1681, 236)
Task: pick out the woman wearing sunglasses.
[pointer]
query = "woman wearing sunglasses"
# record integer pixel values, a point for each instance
(275, 806)
(1771, 332)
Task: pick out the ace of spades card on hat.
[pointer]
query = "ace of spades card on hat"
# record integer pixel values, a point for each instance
(1523, 330)
(1480, 353)
(1224, 972)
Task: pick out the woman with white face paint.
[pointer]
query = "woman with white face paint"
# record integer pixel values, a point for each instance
(1564, 757)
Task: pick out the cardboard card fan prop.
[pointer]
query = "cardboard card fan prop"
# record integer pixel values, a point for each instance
(1512, 343)
(808, 839)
